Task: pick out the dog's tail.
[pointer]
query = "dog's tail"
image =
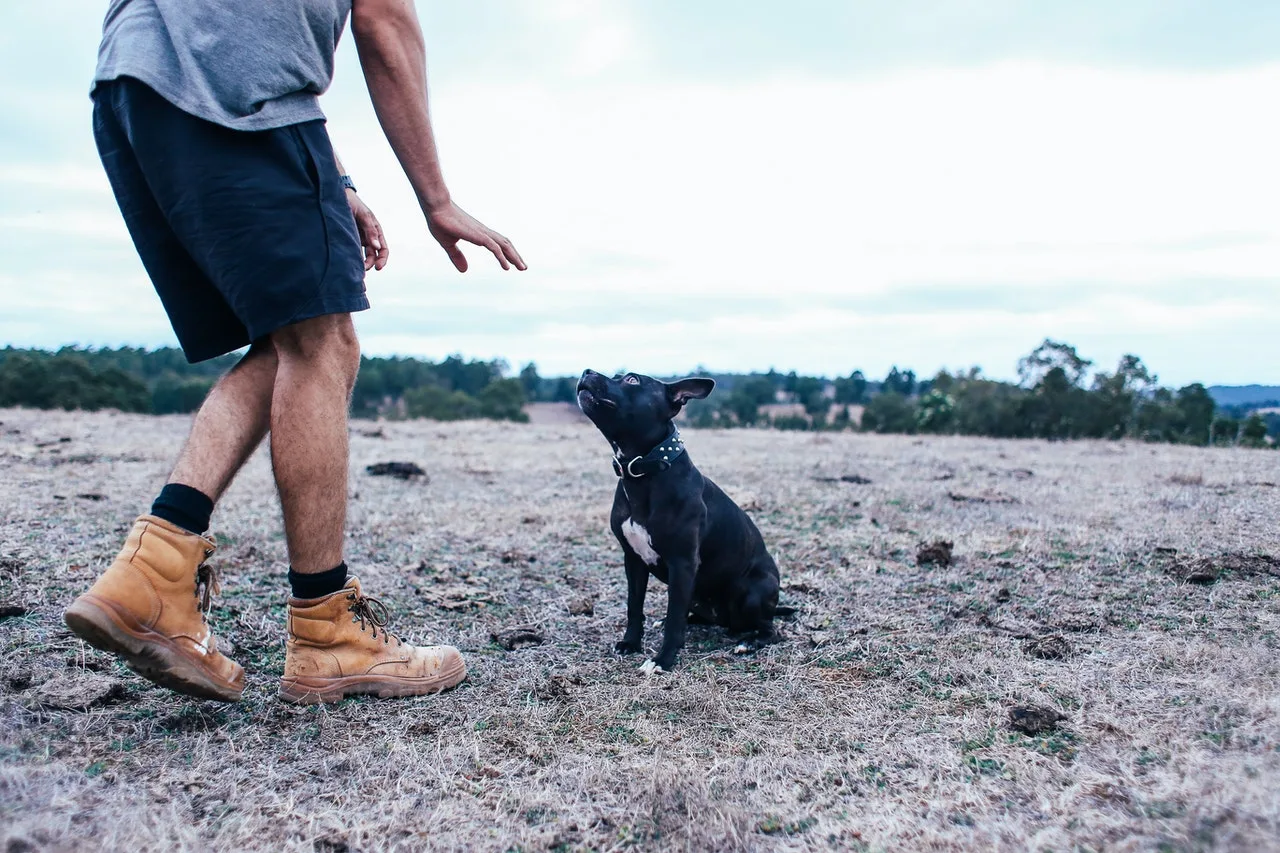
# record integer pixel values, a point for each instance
(786, 610)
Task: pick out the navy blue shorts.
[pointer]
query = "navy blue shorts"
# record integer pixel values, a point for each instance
(242, 233)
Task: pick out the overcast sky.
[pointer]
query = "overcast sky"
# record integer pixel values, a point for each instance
(817, 185)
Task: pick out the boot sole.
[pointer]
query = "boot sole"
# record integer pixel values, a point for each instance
(152, 655)
(313, 691)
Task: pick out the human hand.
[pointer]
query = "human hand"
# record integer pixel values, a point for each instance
(450, 224)
(376, 251)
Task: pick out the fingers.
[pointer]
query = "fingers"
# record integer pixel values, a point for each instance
(381, 251)
(451, 225)
(510, 252)
(455, 255)
(376, 251)
(492, 245)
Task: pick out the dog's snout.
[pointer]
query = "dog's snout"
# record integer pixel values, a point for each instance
(586, 375)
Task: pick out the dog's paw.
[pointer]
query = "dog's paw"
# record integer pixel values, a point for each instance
(624, 647)
(650, 668)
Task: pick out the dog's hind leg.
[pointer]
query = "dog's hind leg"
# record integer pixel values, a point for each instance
(754, 617)
(701, 613)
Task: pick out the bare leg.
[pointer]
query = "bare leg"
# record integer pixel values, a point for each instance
(317, 364)
(230, 424)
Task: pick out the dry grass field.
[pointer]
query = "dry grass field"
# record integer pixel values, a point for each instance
(882, 722)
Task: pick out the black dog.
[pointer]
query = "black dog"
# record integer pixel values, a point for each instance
(675, 523)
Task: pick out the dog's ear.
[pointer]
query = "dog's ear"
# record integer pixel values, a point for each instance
(695, 388)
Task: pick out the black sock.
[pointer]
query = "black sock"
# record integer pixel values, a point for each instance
(184, 506)
(318, 584)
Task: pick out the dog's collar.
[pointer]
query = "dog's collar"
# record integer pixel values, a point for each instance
(654, 462)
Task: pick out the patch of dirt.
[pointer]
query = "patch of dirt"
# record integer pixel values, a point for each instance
(557, 687)
(10, 609)
(456, 596)
(1034, 719)
(856, 479)
(1048, 647)
(582, 607)
(399, 470)
(521, 635)
(936, 553)
(983, 498)
(1209, 569)
(194, 718)
(78, 691)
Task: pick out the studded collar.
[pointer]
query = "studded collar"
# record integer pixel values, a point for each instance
(655, 461)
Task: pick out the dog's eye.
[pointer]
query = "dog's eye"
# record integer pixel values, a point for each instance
(630, 380)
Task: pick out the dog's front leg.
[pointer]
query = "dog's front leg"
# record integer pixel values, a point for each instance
(680, 575)
(637, 585)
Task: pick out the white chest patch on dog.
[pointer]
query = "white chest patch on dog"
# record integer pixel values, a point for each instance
(638, 539)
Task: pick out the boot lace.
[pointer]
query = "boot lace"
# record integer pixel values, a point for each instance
(208, 584)
(366, 609)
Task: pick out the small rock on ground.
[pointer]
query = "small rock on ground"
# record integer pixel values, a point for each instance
(78, 691)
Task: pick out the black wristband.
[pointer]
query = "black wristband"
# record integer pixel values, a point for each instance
(348, 183)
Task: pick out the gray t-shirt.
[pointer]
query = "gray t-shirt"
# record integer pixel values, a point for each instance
(244, 64)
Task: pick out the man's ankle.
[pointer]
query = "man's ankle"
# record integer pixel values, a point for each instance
(184, 506)
(317, 584)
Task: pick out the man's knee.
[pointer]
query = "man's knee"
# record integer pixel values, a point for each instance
(330, 338)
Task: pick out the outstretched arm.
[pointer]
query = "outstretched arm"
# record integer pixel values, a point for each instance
(394, 59)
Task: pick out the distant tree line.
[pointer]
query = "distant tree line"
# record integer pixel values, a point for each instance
(1056, 395)
(162, 382)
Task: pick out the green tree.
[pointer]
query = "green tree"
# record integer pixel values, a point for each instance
(851, 389)
(503, 400)
(889, 412)
(176, 395)
(1196, 407)
(810, 393)
(746, 398)
(530, 381)
(440, 404)
(1225, 430)
(566, 391)
(936, 413)
(902, 382)
(1114, 402)
(1253, 432)
(1052, 355)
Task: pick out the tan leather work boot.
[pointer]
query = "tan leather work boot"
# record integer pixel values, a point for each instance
(150, 608)
(338, 646)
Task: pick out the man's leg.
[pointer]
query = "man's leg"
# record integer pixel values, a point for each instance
(338, 643)
(142, 607)
(230, 425)
(317, 362)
